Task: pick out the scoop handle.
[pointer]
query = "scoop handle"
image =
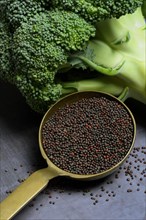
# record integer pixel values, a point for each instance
(25, 192)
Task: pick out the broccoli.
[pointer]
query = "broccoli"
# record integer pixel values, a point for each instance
(40, 47)
(51, 48)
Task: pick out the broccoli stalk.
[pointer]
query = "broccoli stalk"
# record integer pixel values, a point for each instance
(118, 49)
(102, 83)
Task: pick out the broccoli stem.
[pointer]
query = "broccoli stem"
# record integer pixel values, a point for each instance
(107, 84)
(105, 70)
(119, 49)
(124, 95)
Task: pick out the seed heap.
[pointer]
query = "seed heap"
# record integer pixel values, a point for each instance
(88, 136)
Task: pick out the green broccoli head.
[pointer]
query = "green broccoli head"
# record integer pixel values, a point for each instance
(69, 30)
(38, 97)
(117, 7)
(19, 11)
(93, 10)
(47, 39)
(84, 8)
(40, 47)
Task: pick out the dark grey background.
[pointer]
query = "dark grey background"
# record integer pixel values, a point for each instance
(119, 196)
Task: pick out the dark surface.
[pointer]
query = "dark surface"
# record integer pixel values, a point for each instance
(119, 196)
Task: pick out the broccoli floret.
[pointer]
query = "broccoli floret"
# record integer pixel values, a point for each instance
(70, 31)
(5, 52)
(39, 97)
(117, 8)
(41, 43)
(93, 10)
(19, 11)
(34, 47)
(81, 7)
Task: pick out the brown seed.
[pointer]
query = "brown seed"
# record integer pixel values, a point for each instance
(129, 190)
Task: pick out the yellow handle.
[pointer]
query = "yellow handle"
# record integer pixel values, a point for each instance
(25, 192)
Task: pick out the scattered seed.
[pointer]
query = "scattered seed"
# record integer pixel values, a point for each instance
(129, 190)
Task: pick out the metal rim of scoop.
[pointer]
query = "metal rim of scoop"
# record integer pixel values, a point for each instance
(70, 99)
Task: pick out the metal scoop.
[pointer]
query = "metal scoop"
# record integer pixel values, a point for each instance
(39, 179)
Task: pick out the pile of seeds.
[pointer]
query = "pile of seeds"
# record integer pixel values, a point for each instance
(88, 136)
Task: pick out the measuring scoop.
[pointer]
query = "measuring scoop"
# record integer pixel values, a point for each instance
(37, 181)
